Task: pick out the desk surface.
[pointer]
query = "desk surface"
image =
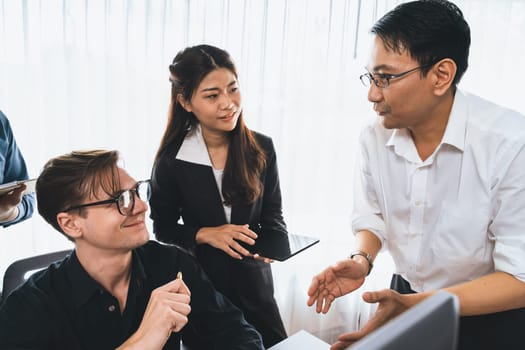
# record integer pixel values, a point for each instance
(301, 340)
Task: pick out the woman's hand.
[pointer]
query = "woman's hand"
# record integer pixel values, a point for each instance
(262, 258)
(226, 238)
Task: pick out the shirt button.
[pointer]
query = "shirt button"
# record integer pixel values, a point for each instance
(417, 203)
(111, 308)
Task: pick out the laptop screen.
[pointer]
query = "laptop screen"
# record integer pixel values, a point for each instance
(433, 324)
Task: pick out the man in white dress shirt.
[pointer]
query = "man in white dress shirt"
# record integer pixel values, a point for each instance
(440, 185)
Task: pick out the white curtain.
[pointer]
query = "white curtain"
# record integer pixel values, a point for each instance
(78, 74)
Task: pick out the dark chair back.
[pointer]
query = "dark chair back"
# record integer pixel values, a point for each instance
(15, 274)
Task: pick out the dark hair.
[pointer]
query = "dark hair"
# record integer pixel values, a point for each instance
(430, 30)
(246, 160)
(69, 179)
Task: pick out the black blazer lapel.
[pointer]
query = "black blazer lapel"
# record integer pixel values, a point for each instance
(200, 193)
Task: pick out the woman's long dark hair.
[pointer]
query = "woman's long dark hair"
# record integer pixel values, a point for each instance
(246, 160)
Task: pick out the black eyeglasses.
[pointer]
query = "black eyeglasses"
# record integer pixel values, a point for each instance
(126, 200)
(382, 81)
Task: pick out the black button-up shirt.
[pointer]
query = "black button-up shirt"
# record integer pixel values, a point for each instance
(62, 307)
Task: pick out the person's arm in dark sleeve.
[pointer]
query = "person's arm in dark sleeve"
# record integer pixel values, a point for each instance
(213, 316)
(272, 212)
(166, 207)
(14, 169)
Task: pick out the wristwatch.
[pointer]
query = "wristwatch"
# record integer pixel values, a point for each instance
(366, 256)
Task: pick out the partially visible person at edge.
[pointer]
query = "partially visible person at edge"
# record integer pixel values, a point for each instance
(440, 185)
(116, 289)
(15, 206)
(221, 178)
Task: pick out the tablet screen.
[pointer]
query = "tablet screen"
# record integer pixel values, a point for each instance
(280, 246)
(8, 187)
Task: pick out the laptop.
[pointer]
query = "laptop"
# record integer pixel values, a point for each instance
(433, 324)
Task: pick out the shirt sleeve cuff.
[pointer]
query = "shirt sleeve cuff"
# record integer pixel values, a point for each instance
(510, 259)
(373, 224)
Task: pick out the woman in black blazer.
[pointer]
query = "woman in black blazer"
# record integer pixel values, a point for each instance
(221, 179)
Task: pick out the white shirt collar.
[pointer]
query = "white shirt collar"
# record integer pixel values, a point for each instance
(454, 135)
(455, 132)
(193, 148)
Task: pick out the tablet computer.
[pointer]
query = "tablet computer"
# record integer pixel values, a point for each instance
(279, 245)
(8, 187)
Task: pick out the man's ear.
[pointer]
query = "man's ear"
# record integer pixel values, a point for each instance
(443, 73)
(182, 101)
(69, 224)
